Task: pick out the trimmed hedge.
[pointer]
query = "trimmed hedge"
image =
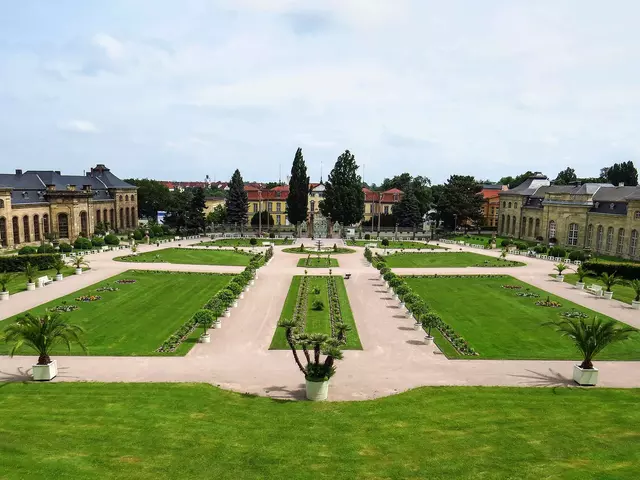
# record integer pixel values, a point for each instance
(27, 250)
(46, 248)
(112, 239)
(82, 243)
(16, 263)
(628, 271)
(65, 247)
(97, 242)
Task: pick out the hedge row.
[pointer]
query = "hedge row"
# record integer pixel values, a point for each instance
(16, 263)
(628, 271)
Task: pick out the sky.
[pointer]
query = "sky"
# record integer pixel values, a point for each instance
(179, 90)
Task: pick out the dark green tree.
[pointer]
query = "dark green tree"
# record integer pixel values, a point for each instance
(153, 196)
(420, 186)
(217, 216)
(195, 215)
(178, 211)
(566, 177)
(407, 211)
(460, 200)
(624, 172)
(267, 219)
(297, 201)
(237, 201)
(344, 199)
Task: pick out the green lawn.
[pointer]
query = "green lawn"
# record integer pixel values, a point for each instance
(309, 249)
(500, 325)
(317, 321)
(186, 256)
(19, 281)
(149, 431)
(621, 292)
(315, 262)
(244, 242)
(480, 239)
(137, 318)
(393, 244)
(454, 259)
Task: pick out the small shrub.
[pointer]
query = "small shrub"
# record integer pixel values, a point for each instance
(385, 242)
(138, 235)
(540, 249)
(335, 247)
(557, 252)
(505, 243)
(317, 305)
(577, 255)
(272, 235)
(46, 248)
(28, 250)
(253, 242)
(367, 236)
(97, 242)
(82, 243)
(65, 247)
(316, 291)
(301, 247)
(522, 246)
(111, 239)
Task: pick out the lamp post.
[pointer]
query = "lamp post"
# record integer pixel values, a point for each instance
(455, 223)
(260, 213)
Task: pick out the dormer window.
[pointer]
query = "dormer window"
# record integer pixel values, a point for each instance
(612, 206)
(597, 204)
(395, 197)
(636, 215)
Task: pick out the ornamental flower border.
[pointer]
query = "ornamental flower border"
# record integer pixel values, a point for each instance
(88, 298)
(335, 310)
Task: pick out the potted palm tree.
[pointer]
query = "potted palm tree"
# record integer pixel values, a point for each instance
(42, 334)
(582, 273)
(317, 373)
(30, 272)
(561, 267)
(59, 264)
(609, 280)
(429, 321)
(79, 262)
(590, 339)
(5, 278)
(635, 303)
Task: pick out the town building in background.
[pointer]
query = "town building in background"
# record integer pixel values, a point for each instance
(491, 206)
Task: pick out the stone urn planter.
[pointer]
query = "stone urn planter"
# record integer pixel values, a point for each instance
(560, 278)
(580, 285)
(585, 376)
(78, 271)
(317, 391)
(428, 340)
(227, 313)
(205, 338)
(4, 296)
(607, 295)
(635, 305)
(44, 373)
(31, 286)
(59, 277)
(417, 326)
(217, 324)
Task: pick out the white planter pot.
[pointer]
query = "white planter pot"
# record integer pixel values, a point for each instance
(586, 377)
(408, 314)
(235, 303)
(428, 340)
(317, 391)
(45, 373)
(608, 295)
(4, 296)
(560, 278)
(59, 277)
(580, 285)
(380, 277)
(246, 289)
(78, 271)
(401, 306)
(31, 286)
(227, 313)
(241, 297)
(205, 338)
(635, 305)
(395, 297)
(217, 324)
(417, 326)
(252, 282)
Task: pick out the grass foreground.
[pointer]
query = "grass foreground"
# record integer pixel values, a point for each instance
(137, 318)
(397, 244)
(498, 324)
(621, 292)
(453, 259)
(311, 250)
(244, 242)
(315, 262)
(187, 256)
(148, 431)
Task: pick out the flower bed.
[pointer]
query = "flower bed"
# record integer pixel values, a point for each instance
(88, 298)
(527, 295)
(548, 303)
(126, 280)
(335, 313)
(512, 287)
(107, 288)
(574, 314)
(64, 308)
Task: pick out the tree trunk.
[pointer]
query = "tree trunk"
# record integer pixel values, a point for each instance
(295, 352)
(44, 359)
(586, 364)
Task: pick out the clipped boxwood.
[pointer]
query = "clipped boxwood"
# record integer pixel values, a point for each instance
(65, 247)
(557, 252)
(16, 263)
(82, 243)
(27, 250)
(628, 271)
(112, 239)
(138, 235)
(46, 248)
(97, 242)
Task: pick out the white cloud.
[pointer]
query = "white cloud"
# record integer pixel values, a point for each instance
(79, 126)
(113, 48)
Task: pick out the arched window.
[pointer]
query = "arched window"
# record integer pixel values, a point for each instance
(504, 204)
(98, 216)
(63, 225)
(121, 217)
(620, 246)
(127, 217)
(633, 244)
(502, 224)
(515, 204)
(120, 197)
(133, 198)
(636, 215)
(3, 232)
(508, 229)
(36, 228)
(312, 205)
(523, 227)
(2, 205)
(513, 225)
(509, 204)
(589, 235)
(105, 219)
(552, 229)
(609, 239)
(45, 224)
(15, 223)
(530, 231)
(134, 219)
(126, 198)
(599, 235)
(26, 224)
(572, 238)
(84, 230)
(112, 218)
(537, 228)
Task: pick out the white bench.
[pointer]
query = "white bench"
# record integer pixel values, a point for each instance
(42, 281)
(595, 289)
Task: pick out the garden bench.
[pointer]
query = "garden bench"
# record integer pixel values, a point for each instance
(42, 281)
(347, 276)
(595, 289)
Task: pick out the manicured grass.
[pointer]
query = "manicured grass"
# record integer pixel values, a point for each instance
(317, 321)
(454, 259)
(621, 292)
(479, 239)
(310, 250)
(244, 242)
(186, 256)
(148, 431)
(393, 244)
(19, 282)
(137, 318)
(500, 325)
(315, 262)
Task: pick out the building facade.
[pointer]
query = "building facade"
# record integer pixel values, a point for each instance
(380, 202)
(599, 217)
(273, 201)
(35, 205)
(491, 204)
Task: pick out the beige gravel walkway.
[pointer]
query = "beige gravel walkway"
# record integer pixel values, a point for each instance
(394, 358)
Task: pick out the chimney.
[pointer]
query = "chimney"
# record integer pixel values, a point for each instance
(57, 172)
(621, 184)
(18, 171)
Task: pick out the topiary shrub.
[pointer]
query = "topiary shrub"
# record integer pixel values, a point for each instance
(46, 248)
(577, 255)
(138, 235)
(82, 243)
(367, 236)
(28, 250)
(557, 252)
(506, 243)
(65, 247)
(16, 263)
(235, 288)
(112, 239)
(385, 242)
(97, 242)
(540, 249)
(272, 235)
(522, 246)
(317, 305)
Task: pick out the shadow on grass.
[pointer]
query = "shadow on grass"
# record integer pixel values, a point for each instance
(551, 379)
